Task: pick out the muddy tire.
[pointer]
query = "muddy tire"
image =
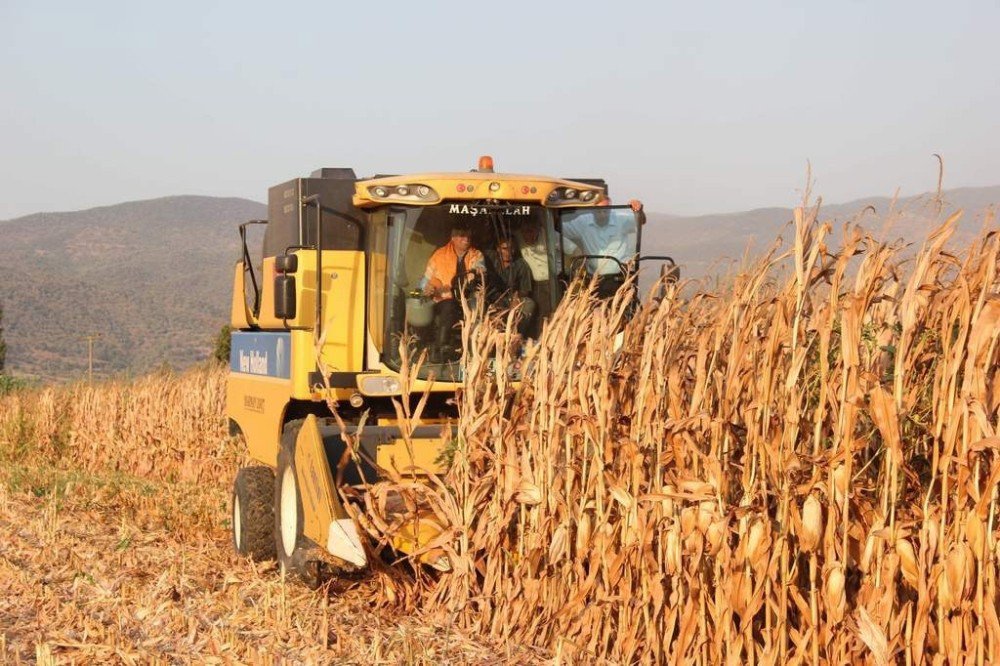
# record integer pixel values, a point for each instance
(296, 553)
(253, 513)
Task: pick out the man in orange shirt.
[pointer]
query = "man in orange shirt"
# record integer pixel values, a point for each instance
(449, 270)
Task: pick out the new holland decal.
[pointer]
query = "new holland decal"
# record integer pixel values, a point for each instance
(261, 354)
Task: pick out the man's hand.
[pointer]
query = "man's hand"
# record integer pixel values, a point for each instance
(429, 289)
(635, 204)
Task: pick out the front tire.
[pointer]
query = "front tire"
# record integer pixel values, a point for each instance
(253, 513)
(294, 550)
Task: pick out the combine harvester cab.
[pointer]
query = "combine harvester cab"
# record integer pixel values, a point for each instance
(350, 269)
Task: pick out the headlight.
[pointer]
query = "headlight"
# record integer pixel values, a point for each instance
(379, 385)
(514, 370)
(572, 195)
(405, 192)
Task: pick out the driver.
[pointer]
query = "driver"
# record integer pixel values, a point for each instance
(450, 268)
(607, 233)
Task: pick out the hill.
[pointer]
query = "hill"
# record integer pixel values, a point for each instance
(153, 277)
(707, 244)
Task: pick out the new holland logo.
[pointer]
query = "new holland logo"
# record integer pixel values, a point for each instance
(254, 362)
(261, 354)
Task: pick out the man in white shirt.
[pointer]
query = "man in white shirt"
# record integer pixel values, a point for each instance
(536, 255)
(607, 233)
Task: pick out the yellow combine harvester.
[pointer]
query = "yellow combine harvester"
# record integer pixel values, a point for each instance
(351, 266)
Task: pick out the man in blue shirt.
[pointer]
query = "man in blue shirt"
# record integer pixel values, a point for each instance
(605, 233)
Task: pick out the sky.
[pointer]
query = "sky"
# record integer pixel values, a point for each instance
(693, 107)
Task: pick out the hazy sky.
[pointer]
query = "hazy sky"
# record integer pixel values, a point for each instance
(693, 107)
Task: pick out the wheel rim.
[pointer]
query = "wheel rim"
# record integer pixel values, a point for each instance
(237, 523)
(289, 511)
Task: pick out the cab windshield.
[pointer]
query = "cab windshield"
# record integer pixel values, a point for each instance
(435, 254)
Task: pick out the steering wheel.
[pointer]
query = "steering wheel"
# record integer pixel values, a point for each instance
(575, 264)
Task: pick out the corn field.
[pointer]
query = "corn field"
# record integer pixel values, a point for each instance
(160, 426)
(798, 467)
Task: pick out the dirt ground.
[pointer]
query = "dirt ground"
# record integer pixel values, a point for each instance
(106, 569)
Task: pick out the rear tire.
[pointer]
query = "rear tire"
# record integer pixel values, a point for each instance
(294, 550)
(253, 513)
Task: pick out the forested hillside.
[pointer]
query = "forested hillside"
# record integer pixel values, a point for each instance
(152, 278)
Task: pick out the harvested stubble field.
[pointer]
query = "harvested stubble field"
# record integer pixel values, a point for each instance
(114, 544)
(799, 467)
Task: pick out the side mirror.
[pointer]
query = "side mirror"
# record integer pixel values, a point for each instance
(286, 263)
(671, 272)
(284, 295)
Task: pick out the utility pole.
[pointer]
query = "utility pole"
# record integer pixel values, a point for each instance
(90, 355)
